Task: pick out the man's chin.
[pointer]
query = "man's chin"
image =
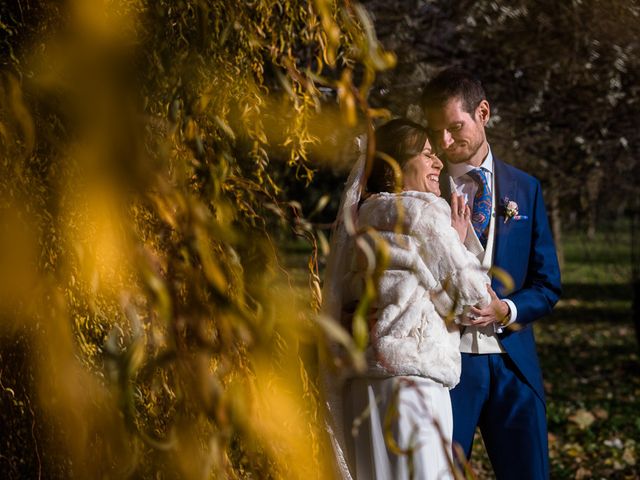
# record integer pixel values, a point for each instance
(455, 159)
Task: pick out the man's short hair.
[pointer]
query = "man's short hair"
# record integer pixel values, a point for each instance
(451, 83)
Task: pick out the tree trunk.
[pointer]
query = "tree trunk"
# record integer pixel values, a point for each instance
(556, 220)
(635, 267)
(593, 184)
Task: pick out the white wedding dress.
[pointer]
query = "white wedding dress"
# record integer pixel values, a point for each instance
(413, 356)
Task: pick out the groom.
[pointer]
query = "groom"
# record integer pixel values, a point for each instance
(501, 388)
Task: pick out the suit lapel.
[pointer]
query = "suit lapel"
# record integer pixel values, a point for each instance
(505, 187)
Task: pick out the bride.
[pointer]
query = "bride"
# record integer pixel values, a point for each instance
(394, 421)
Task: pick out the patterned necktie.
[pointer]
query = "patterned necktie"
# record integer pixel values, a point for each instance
(481, 205)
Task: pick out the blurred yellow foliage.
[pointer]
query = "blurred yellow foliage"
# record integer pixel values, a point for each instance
(139, 286)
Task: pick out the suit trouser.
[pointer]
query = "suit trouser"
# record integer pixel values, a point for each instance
(493, 395)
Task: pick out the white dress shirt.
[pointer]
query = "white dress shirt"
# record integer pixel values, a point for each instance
(480, 339)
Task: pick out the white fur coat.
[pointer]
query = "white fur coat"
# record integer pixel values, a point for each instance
(429, 275)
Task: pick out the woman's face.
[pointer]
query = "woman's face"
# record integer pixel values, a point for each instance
(422, 172)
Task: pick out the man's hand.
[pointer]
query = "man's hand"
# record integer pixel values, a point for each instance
(496, 312)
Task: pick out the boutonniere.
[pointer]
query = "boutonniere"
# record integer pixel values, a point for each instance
(511, 210)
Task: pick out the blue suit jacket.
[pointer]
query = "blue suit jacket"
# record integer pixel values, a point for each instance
(525, 250)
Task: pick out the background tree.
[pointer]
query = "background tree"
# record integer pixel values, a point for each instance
(562, 81)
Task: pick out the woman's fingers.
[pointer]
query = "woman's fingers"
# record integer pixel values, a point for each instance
(458, 207)
(454, 204)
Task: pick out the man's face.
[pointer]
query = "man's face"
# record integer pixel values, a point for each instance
(457, 134)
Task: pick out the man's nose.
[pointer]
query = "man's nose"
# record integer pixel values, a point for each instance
(446, 140)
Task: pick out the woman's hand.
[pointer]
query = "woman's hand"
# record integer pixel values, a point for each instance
(460, 214)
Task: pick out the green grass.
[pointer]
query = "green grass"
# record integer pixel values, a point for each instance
(604, 260)
(589, 357)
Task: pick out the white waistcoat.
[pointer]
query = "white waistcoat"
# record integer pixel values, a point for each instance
(481, 339)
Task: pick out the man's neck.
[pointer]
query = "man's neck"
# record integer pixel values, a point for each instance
(459, 169)
(479, 156)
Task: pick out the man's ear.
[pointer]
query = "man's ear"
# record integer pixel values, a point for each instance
(483, 112)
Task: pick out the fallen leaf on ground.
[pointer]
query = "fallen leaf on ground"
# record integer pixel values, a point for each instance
(614, 443)
(601, 413)
(583, 418)
(574, 450)
(629, 456)
(583, 473)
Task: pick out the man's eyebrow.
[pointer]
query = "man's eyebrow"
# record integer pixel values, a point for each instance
(450, 125)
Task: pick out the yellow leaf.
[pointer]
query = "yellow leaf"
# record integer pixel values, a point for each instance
(582, 473)
(629, 456)
(21, 113)
(324, 200)
(135, 356)
(349, 108)
(573, 450)
(379, 113)
(225, 127)
(583, 418)
(600, 413)
(190, 129)
(323, 243)
(504, 278)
